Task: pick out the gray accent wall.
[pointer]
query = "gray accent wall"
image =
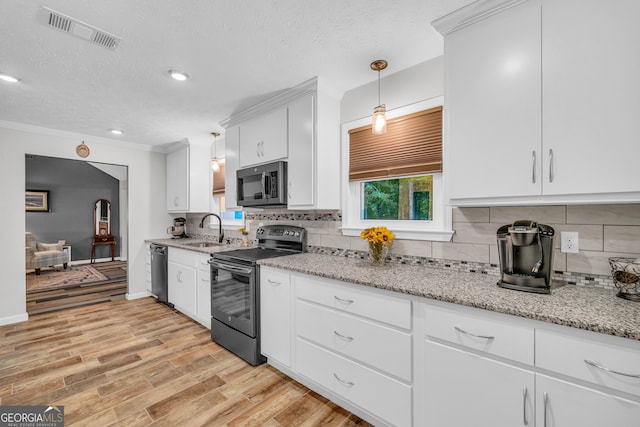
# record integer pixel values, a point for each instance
(74, 186)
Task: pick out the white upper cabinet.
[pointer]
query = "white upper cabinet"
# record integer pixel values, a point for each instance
(264, 139)
(591, 96)
(301, 174)
(541, 102)
(188, 178)
(300, 126)
(232, 146)
(492, 98)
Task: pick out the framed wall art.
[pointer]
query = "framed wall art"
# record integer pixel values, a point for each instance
(37, 201)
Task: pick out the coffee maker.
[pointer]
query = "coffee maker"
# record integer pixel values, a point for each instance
(525, 251)
(177, 230)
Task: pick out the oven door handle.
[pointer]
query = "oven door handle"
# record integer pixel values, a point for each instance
(230, 267)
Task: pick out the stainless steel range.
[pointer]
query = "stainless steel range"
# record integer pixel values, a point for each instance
(235, 296)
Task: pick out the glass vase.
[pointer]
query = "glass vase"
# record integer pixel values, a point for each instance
(378, 253)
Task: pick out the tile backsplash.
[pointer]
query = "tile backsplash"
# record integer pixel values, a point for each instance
(604, 231)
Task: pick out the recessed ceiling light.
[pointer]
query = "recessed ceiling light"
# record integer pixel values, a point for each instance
(115, 131)
(8, 78)
(178, 75)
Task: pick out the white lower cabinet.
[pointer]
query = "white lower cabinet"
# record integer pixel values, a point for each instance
(147, 266)
(397, 360)
(478, 369)
(203, 290)
(564, 404)
(466, 389)
(335, 338)
(384, 397)
(189, 284)
(275, 316)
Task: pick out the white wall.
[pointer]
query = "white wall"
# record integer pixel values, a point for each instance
(146, 191)
(397, 89)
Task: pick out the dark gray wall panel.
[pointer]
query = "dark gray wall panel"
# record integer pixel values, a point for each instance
(74, 186)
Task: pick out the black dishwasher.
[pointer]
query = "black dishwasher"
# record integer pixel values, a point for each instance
(159, 282)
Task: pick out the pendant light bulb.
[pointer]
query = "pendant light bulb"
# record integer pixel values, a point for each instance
(379, 118)
(215, 162)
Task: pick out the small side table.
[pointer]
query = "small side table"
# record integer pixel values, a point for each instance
(66, 248)
(103, 240)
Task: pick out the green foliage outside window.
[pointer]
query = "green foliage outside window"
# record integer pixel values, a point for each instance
(398, 199)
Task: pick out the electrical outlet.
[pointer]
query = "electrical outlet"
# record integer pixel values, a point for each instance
(569, 242)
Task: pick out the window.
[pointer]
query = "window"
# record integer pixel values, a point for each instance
(398, 198)
(396, 180)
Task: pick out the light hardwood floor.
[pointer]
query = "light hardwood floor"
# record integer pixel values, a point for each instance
(139, 363)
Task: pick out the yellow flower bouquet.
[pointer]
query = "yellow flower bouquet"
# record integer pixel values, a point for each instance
(245, 233)
(379, 239)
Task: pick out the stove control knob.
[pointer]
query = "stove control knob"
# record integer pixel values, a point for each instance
(286, 233)
(297, 234)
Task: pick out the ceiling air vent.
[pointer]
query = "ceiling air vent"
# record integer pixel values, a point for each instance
(78, 28)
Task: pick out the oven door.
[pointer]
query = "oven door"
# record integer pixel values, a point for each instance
(233, 295)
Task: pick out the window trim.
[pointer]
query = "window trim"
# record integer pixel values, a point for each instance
(439, 229)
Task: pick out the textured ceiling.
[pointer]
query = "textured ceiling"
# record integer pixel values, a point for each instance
(236, 51)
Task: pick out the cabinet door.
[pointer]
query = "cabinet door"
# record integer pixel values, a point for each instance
(275, 315)
(203, 297)
(182, 287)
(264, 139)
(563, 404)
(590, 96)
(231, 147)
(178, 180)
(493, 86)
(464, 389)
(301, 166)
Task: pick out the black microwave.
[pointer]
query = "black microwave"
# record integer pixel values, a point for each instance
(262, 185)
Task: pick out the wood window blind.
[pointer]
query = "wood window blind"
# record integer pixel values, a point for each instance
(411, 146)
(218, 181)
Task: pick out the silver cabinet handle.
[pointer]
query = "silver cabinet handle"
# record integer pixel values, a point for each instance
(533, 168)
(596, 365)
(524, 406)
(347, 383)
(179, 276)
(545, 399)
(175, 201)
(272, 283)
(342, 300)
(344, 337)
(484, 337)
(550, 165)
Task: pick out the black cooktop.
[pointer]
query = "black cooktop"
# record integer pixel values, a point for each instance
(273, 241)
(252, 255)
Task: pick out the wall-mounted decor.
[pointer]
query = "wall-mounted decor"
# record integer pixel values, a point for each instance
(36, 201)
(82, 150)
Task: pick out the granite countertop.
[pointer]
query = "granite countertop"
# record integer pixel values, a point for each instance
(184, 243)
(593, 309)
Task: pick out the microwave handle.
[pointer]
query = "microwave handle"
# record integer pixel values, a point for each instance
(265, 186)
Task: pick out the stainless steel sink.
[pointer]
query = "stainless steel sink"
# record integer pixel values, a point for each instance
(203, 244)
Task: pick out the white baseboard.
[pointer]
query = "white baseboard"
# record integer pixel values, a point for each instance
(14, 319)
(88, 261)
(138, 295)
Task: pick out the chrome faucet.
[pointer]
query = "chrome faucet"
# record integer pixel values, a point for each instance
(220, 232)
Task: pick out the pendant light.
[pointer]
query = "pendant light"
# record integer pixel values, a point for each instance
(379, 119)
(215, 162)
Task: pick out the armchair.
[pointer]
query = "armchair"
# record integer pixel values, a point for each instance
(40, 255)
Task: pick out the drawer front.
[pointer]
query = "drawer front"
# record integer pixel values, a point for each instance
(481, 332)
(568, 355)
(381, 308)
(378, 394)
(181, 256)
(202, 263)
(376, 345)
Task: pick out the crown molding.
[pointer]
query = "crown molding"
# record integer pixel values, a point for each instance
(67, 134)
(471, 14)
(278, 101)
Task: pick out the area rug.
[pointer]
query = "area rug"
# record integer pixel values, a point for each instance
(76, 275)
